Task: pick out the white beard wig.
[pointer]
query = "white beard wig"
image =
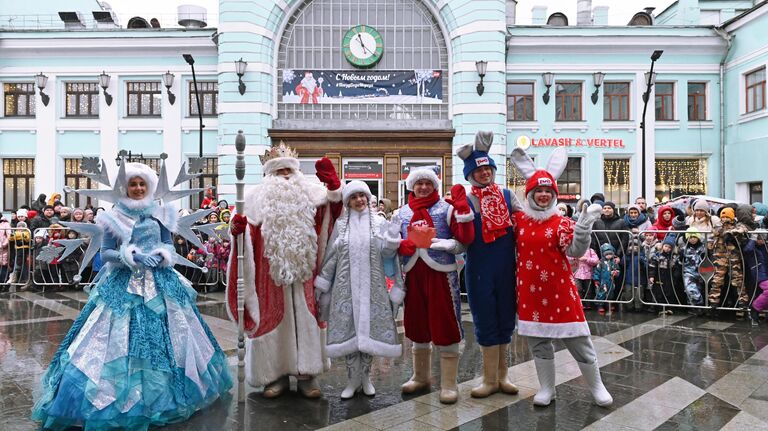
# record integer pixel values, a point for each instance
(288, 227)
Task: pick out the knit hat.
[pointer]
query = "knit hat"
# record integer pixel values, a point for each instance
(224, 212)
(353, 187)
(633, 207)
(475, 156)
(606, 249)
(597, 197)
(691, 232)
(669, 239)
(610, 204)
(728, 213)
(41, 233)
(21, 213)
(422, 173)
(563, 207)
(541, 178)
(701, 204)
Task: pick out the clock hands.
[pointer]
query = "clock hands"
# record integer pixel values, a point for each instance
(362, 44)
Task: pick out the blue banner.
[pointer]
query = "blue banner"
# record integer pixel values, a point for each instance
(357, 86)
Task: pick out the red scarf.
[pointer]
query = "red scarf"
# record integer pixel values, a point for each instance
(420, 207)
(494, 213)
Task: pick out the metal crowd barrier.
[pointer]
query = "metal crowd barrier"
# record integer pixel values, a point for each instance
(725, 279)
(33, 262)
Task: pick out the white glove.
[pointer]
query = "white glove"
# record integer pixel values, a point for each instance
(396, 295)
(389, 234)
(448, 245)
(590, 214)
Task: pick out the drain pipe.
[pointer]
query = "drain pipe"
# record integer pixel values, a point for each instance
(728, 38)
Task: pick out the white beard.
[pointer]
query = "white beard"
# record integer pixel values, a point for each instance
(288, 228)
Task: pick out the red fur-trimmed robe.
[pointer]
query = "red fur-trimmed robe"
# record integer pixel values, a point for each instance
(284, 335)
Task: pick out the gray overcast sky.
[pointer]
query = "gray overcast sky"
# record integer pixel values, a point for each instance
(619, 13)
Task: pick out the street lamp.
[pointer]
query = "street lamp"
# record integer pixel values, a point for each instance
(240, 71)
(482, 67)
(597, 77)
(41, 80)
(104, 84)
(548, 79)
(650, 79)
(168, 81)
(191, 62)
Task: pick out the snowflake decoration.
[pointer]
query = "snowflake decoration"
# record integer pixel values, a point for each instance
(533, 289)
(544, 276)
(535, 316)
(544, 302)
(528, 264)
(288, 75)
(48, 253)
(90, 164)
(548, 233)
(522, 231)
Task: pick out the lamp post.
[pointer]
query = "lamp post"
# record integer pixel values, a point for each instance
(41, 80)
(650, 79)
(482, 67)
(168, 82)
(191, 62)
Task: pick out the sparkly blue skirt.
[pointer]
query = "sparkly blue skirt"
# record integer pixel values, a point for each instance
(139, 354)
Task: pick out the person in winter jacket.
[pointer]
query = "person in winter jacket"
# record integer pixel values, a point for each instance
(726, 245)
(5, 250)
(756, 262)
(21, 242)
(605, 276)
(585, 266)
(662, 272)
(648, 247)
(635, 220)
(692, 255)
(664, 221)
(548, 304)
(610, 220)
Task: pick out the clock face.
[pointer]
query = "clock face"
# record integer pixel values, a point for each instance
(363, 46)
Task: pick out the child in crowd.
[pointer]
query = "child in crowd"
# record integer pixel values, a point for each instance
(693, 254)
(585, 265)
(605, 276)
(727, 259)
(661, 274)
(756, 251)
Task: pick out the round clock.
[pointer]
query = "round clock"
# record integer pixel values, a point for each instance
(363, 46)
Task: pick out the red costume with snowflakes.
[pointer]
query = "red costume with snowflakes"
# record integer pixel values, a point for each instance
(548, 305)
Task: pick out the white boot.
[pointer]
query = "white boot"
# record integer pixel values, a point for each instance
(591, 373)
(545, 369)
(365, 373)
(353, 374)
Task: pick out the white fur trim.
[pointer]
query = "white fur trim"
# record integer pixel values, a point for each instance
(365, 345)
(335, 195)
(421, 253)
(127, 252)
(353, 187)
(292, 348)
(165, 254)
(277, 163)
(553, 330)
(464, 218)
(322, 284)
(423, 173)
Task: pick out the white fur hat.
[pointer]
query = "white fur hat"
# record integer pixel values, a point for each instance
(353, 187)
(274, 165)
(422, 173)
(141, 170)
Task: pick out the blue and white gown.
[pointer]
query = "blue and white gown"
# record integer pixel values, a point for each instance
(139, 353)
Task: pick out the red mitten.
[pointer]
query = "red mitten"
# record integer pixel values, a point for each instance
(459, 199)
(327, 173)
(237, 224)
(407, 248)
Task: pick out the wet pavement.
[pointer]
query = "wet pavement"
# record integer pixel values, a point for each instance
(676, 372)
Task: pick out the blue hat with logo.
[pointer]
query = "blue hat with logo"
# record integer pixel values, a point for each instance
(477, 155)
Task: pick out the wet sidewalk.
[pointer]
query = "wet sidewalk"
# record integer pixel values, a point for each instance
(675, 372)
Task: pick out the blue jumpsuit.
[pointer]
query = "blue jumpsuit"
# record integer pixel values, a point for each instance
(490, 279)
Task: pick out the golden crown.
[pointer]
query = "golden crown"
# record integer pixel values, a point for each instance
(278, 151)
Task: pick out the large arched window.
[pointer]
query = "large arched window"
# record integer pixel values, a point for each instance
(313, 38)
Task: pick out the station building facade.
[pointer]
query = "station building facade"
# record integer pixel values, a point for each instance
(382, 86)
